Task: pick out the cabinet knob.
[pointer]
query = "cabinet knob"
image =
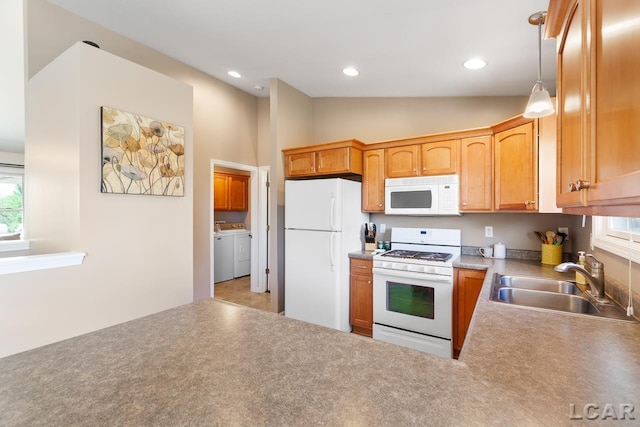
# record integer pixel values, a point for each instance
(464, 203)
(368, 282)
(380, 205)
(424, 168)
(581, 183)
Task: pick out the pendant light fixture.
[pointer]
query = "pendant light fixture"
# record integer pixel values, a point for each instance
(539, 104)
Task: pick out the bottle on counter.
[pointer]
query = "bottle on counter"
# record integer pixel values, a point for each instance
(582, 261)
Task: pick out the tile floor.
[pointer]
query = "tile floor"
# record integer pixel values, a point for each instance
(239, 291)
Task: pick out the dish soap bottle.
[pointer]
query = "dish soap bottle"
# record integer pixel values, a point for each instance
(583, 263)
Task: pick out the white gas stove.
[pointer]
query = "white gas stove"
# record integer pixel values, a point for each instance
(413, 289)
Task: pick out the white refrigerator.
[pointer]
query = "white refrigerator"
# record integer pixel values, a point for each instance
(323, 223)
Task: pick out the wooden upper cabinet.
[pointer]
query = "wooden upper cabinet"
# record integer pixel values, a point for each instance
(332, 161)
(373, 181)
(598, 114)
(220, 191)
(516, 165)
(572, 146)
(476, 174)
(615, 87)
(301, 164)
(402, 161)
(336, 158)
(231, 192)
(439, 158)
(238, 192)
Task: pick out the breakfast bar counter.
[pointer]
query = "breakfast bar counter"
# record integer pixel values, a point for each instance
(216, 363)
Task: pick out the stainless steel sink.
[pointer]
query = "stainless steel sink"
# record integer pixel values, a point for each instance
(538, 284)
(551, 294)
(548, 300)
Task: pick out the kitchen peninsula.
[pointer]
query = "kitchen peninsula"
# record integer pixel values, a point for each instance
(211, 362)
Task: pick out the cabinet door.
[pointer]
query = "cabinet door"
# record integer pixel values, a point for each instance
(302, 164)
(476, 174)
(439, 158)
(402, 161)
(220, 192)
(238, 193)
(373, 181)
(615, 148)
(466, 288)
(572, 155)
(361, 295)
(516, 169)
(332, 161)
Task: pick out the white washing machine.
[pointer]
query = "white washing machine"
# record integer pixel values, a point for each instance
(223, 254)
(232, 251)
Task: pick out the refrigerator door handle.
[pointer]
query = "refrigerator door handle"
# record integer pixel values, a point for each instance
(331, 251)
(333, 213)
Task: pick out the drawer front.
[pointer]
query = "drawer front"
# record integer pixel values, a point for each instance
(361, 266)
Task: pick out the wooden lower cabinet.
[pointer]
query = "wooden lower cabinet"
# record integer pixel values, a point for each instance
(466, 288)
(361, 296)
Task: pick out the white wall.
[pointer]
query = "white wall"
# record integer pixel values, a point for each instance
(291, 125)
(140, 248)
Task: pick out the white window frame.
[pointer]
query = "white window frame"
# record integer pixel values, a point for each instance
(614, 241)
(22, 244)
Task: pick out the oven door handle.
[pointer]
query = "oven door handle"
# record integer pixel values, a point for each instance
(412, 275)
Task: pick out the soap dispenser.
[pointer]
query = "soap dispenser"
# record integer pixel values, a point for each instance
(582, 261)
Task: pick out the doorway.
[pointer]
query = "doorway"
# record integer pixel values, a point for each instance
(248, 289)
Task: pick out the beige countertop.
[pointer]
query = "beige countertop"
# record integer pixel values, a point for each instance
(211, 363)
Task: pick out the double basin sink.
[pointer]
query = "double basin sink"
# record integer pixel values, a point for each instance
(551, 294)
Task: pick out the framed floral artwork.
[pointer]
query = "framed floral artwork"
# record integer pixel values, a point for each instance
(141, 155)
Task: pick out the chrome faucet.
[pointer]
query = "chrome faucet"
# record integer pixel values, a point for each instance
(595, 278)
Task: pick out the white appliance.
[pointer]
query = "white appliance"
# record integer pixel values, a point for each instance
(413, 289)
(427, 195)
(323, 223)
(222, 257)
(242, 253)
(232, 251)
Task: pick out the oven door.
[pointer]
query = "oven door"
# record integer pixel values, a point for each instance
(415, 302)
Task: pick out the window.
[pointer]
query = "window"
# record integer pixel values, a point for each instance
(617, 235)
(11, 203)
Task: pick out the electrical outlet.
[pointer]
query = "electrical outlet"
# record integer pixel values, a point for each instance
(591, 241)
(488, 231)
(564, 230)
(383, 228)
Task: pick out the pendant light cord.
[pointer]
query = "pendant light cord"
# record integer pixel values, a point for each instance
(540, 51)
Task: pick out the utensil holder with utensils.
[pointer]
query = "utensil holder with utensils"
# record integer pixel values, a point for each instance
(551, 254)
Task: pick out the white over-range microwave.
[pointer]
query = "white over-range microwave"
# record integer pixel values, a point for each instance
(426, 195)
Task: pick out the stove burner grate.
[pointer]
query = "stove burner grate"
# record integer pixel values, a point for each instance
(428, 256)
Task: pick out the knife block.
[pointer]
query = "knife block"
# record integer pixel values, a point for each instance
(370, 246)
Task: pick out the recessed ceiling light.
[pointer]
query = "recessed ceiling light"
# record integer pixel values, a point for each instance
(350, 71)
(234, 74)
(474, 64)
